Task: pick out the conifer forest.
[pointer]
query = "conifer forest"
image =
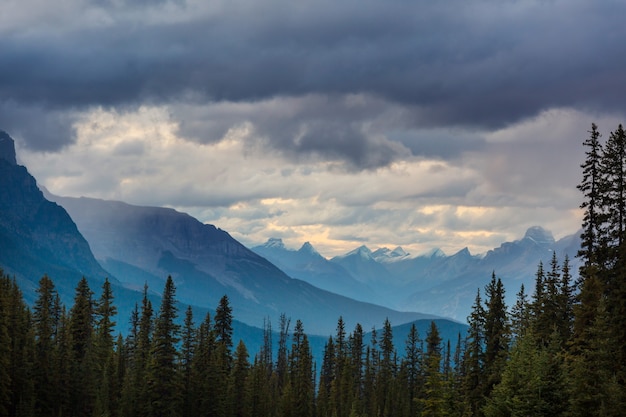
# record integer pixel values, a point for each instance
(558, 350)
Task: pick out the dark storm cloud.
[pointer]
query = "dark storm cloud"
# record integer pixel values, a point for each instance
(36, 126)
(483, 64)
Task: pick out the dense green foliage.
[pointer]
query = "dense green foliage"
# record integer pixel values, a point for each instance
(559, 352)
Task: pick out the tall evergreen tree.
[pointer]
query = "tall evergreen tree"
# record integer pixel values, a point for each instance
(105, 311)
(614, 188)
(301, 374)
(237, 382)
(281, 360)
(497, 335)
(520, 314)
(83, 353)
(224, 323)
(473, 361)
(593, 217)
(186, 364)
(387, 367)
(356, 343)
(44, 325)
(433, 403)
(163, 381)
(201, 366)
(413, 365)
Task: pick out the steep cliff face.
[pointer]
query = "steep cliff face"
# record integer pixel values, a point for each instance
(38, 236)
(7, 148)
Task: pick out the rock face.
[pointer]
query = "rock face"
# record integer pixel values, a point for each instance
(38, 236)
(7, 148)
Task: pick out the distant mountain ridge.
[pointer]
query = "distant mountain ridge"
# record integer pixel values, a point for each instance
(139, 244)
(433, 282)
(308, 265)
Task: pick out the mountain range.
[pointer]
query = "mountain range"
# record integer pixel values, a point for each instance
(432, 282)
(146, 244)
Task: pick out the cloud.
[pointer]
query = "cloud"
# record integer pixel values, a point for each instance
(38, 127)
(477, 200)
(419, 123)
(482, 64)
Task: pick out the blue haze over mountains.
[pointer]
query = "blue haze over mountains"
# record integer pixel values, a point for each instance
(432, 282)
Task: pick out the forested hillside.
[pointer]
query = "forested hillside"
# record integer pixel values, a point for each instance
(558, 351)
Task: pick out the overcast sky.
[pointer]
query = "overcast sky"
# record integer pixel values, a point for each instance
(416, 123)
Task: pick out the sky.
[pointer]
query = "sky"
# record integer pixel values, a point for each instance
(421, 124)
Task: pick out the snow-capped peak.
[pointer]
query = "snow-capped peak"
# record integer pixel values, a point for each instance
(386, 255)
(363, 251)
(539, 235)
(398, 253)
(274, 242)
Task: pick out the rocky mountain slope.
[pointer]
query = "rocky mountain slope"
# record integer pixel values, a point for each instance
(38, 236)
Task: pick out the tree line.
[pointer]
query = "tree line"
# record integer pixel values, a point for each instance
(559, 351)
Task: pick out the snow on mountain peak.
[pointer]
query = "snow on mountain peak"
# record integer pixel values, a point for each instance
(398, 253)
(363, 251)
(274, 242)
(539, 235)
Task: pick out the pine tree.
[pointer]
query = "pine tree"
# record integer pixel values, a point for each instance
(103, 345)
(370, 406)
(520, 315)
(135, 401)
(186, 364)
(433, 403)
(327, 379)
(224, 323)
(163, 381)
(83, 353)
(355, 343)
(614, 191)
(202, 367)
(473, 382)
(281, 360)
(301, 374)
(565, 319)
(44, 325)
(387, 369)
(497, 336)
(237, 381)
(64, 365)
(593, 218)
